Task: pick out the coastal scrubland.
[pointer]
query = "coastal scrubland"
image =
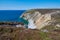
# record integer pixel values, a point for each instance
(13, 33)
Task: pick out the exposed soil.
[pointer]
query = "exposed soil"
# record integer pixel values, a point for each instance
(13, 33)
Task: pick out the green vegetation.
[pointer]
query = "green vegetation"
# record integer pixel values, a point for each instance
(44, 36)
(49, 28)
(8, 33)
(21, 34)
(13, 33)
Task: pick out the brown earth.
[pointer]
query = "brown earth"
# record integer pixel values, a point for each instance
(13, 33)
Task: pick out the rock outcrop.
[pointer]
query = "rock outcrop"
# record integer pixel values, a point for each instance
(40, 19)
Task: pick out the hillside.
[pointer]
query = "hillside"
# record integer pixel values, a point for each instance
(38, 17)
(42, 17)
(43, 11)
(13, 33)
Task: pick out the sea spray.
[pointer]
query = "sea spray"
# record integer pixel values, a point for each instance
(31, 24)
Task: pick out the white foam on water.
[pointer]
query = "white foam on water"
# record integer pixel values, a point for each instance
(31, 24)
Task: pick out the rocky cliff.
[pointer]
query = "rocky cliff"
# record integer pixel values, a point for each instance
(42, 17)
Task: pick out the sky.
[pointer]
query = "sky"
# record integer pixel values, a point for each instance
(28, 4)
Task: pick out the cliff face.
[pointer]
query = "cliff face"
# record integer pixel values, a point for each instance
(42, 17)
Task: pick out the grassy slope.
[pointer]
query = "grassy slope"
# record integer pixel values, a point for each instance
(21, 34)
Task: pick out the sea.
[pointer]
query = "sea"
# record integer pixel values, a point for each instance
(11, 15)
